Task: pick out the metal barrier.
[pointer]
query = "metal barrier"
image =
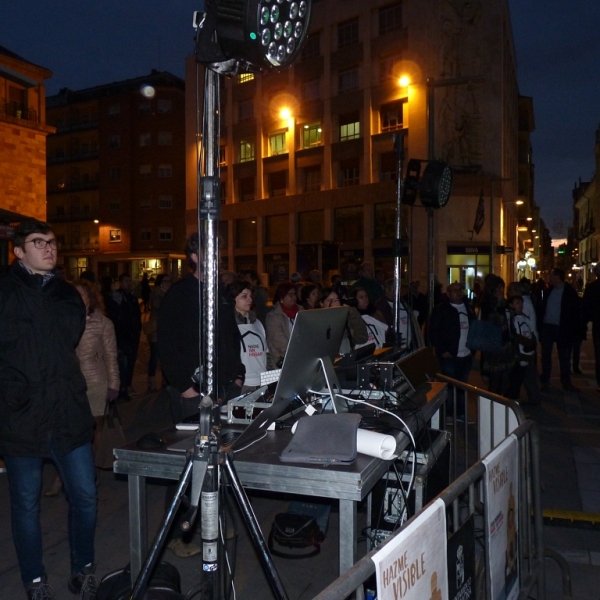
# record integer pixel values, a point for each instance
(462, 499)
(497, 417)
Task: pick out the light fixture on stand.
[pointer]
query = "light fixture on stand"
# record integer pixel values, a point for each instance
(233, 36)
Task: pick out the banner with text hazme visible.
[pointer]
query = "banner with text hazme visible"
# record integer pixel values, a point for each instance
(413, 565)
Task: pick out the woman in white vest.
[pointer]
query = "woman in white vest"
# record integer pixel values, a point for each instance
(373, 318)
(253, 348)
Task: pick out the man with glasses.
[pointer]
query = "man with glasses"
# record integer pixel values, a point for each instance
(44, 411)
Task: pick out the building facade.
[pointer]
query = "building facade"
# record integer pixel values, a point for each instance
(23, 132)
(314, 185)
(116, 176)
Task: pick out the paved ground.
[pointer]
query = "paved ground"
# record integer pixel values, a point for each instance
(570, 433)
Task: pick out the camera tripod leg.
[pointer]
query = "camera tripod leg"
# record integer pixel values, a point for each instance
(141, 583)
(255, 532)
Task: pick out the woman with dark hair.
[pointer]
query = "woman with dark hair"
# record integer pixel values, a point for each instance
(309, 296)
(356, 333)
(253, 346)
(280, 320)
(497, 365)
(97, 353)
(373, 318)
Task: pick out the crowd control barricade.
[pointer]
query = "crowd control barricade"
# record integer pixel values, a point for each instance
(495, 418)
(465, 501)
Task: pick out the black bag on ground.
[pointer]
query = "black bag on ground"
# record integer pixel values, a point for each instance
(295, 531)
(165, 584)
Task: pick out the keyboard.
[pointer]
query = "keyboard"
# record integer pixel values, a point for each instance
(268, 377)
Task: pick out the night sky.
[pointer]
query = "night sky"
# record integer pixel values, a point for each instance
(86, 43)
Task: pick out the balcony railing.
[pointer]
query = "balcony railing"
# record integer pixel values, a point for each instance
(19, 111)
(73, 156)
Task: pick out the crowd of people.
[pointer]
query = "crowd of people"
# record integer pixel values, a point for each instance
(69, 348)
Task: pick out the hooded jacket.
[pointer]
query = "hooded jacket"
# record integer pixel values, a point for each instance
(42, 389)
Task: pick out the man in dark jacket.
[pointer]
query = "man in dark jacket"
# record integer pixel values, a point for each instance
(178, 341)
(44, 411)
(558, 322)
(591, 312)
(448, 332)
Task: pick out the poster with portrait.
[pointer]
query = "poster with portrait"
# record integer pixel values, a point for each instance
(501, 515)
(461, 562)
(413, 565)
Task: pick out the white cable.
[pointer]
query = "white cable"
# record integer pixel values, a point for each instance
(406, 427)
(264, 435)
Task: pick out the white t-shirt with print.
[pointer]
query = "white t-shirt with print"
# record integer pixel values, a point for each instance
(463, 319)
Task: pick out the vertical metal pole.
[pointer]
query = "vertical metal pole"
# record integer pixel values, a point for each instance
(208, 217)
(492, 228)
(430, 213)
(399, 148)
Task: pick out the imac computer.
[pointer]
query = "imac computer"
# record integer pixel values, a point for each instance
(308, 362)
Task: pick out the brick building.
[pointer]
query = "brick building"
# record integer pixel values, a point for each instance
(315, 187)
(23, 132)
(116, 181)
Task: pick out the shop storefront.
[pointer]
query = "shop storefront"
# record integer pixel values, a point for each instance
(467, 264)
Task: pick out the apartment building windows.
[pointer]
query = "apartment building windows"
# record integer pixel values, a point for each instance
(165, 138)
(247, 189)
(390, 18)
(145, 202)
(348, 224)
(312, 47)
(245, 233)
(115, 173)
(246, 110)
(277, 143)
(349, 126)
(165, 234)
(348, 33)
(392, 115)
(245, 77)
(164, 106)
(145, 170)
(277, 184)
(144, 108)
(311, 135)
(223, 191)
(349, 173)
(246, 150)
(165, 202)
(115, 204)
(312, 179)
(277, 230)
(114, 236)
(348, 80)
(311, 89)
(145, 139)
(385, 220)
(146, 235)
(114, 141)
(165, 170)
(114, 109)
(388, 166)
(311, 225)
(388, 68)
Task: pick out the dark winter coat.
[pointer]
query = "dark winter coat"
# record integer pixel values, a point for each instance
(444, 328)
(42, 389)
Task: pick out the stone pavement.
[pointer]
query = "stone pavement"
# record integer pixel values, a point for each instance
(570, 436)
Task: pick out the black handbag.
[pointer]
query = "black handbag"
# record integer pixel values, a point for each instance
(165, 584)
(484, 336)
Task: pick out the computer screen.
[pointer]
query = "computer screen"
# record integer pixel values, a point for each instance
(313, 345)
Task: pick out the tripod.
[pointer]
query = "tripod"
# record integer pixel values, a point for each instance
(202, 470)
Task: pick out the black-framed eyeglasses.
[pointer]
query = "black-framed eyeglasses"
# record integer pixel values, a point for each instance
(41, 244)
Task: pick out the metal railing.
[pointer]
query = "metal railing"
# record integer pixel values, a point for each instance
(463, 498)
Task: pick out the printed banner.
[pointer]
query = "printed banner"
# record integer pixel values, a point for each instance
(413, 566)
(501, 491)
(461, 562)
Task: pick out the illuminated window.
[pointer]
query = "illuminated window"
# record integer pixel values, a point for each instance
(114, 235)
(245, 77)
(246, 150)
(311, 135)
(277, 143)
(349, 127)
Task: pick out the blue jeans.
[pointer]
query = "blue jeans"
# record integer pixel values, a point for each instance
(78, 474)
